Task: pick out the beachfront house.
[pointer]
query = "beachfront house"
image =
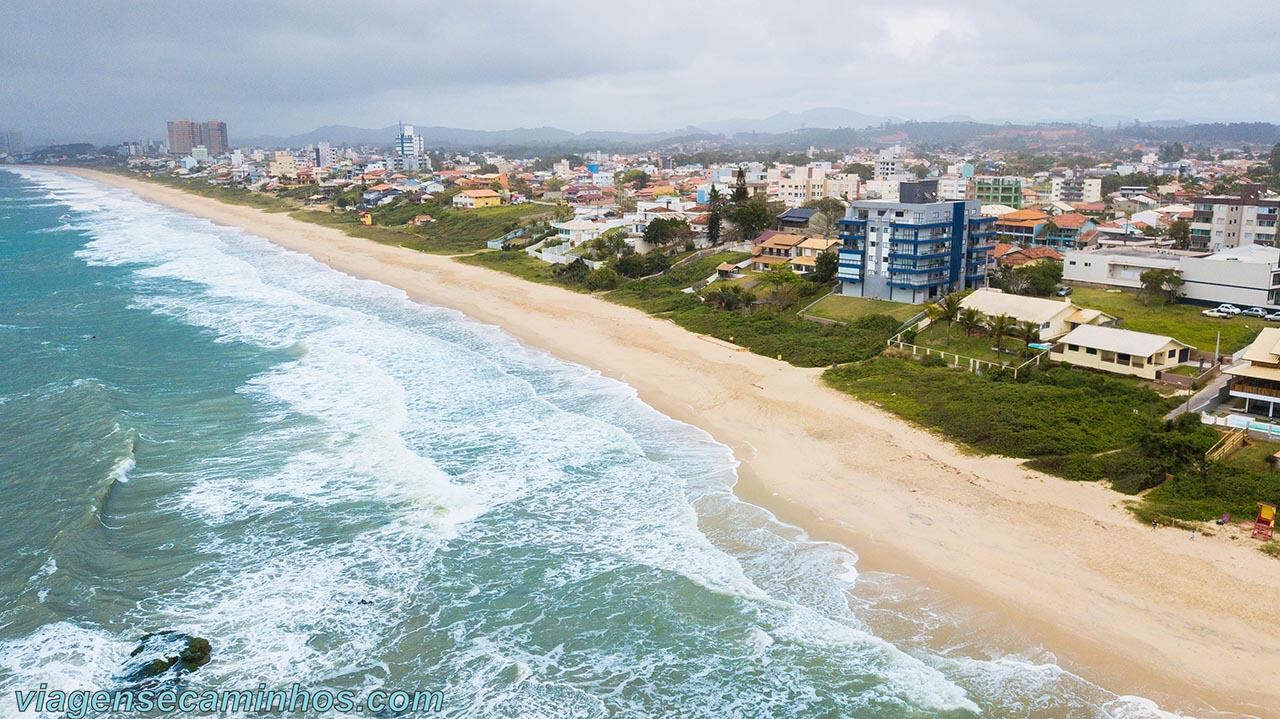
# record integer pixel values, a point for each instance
(1110, 349)
(1054, 318)
(1255, 378)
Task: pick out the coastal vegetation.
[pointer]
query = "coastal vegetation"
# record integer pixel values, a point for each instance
(1076, 425)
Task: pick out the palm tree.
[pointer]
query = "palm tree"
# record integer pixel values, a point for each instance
(948, 310)
(970, 321)
(1000, 326)
(1029, 332)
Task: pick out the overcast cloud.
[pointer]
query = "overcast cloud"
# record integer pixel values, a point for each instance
(286, 67)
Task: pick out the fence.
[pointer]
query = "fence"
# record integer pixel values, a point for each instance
(1185, 382)
(1255, 427)
(973, 364)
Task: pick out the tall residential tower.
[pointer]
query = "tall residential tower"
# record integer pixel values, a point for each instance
(915, 249)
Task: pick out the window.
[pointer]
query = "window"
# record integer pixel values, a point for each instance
(1091, 350)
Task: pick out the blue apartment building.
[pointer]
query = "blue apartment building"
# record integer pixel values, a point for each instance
(915, 249)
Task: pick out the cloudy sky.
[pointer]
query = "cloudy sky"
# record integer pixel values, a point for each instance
(93, 67)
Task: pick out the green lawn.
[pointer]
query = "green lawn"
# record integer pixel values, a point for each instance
(1254, 456)
(1181, 322)
(848, 309)
(978, 346)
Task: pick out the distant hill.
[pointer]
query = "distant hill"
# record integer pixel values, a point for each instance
(821, 127)
(820, 117)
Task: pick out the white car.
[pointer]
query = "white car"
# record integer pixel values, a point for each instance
(1227, 309)
(1215, 314)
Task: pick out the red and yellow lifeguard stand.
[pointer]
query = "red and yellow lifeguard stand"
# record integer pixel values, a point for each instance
(1266, 521)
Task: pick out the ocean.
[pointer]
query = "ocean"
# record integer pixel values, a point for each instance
(202, 432)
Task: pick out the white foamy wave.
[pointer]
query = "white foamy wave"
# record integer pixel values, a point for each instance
(63, 655)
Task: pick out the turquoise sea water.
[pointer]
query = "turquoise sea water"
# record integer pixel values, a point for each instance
(339, 487)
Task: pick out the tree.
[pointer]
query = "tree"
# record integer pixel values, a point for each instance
(831, 210)
(574, 272)
(740, 192)
(1162, 286)
(488, 169)
(970, 321)
(1172, 152)
(602, 279)
(716, 203)
(778, 276)
(751, 218)
(1180, 234)
(919, 171)
(785, 297)
(729, 297)
(949, 309)
(553, 184)
(662, 231)
(1274, 159)
(866, 172)
(1000, 326)
(1029, 331)
(825, 267)
(637, 176)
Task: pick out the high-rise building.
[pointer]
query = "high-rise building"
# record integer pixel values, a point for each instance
(996, 190)
(214, 136)
(1076, 189)
(915, 249)
(185, 135)
(326, 155)
(1220, 222)
(11, 142)
(889, 164)
(408, 150)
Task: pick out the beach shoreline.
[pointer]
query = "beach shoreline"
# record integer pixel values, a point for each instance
(1188, 623)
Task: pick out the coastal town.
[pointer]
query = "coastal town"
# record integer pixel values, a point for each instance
(821, 359)
(1152, 268)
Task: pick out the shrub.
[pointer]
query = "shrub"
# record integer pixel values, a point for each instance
(602, 279)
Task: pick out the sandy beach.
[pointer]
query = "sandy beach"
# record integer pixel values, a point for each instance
(1189, 623)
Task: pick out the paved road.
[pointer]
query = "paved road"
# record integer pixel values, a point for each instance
(1204, 400)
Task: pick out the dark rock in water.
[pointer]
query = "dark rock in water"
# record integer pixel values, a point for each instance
(196, 654)
(166, 655)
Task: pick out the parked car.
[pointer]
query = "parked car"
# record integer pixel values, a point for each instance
(1254, 312)
(1273, 317)
(1063, 292)
(1227, 309)
(1216, 314)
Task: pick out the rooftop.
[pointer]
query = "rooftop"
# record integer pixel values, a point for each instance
(1112, 339)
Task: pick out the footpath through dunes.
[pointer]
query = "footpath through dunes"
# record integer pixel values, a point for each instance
(1142, 612)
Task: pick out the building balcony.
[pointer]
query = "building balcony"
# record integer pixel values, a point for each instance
(897, 253)
(849, 276)
(1255, 388)
(916, 270)
(982, 248)
(852, 223)
(913, 240)
(919, 225)
(920, 283)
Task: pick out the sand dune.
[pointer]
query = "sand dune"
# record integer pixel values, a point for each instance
(1190, 623)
